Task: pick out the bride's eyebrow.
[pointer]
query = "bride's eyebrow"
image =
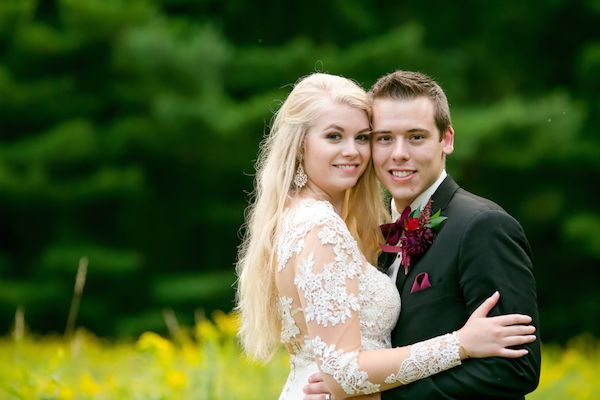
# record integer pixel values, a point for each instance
(334, 126)
(339, 128)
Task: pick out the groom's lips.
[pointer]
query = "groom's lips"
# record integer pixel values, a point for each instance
(403, 174)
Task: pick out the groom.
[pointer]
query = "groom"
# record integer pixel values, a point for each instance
(478, 249)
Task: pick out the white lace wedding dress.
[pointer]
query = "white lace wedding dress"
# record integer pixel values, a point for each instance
(337, 310)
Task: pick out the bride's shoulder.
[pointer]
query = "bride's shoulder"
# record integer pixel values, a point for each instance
(300, 218)
(312, 212)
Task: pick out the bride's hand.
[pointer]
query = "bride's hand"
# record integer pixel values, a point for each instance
(483, 336)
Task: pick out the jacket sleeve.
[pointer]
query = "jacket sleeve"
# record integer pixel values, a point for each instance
(494, 255)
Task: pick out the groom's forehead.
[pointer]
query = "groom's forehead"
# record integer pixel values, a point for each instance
(402, 114)
(419, 103)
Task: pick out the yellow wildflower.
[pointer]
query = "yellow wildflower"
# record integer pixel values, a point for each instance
(205, 330)
(65, 393)
(88, 384)
(191, 354)
(227, 324)
(176, 379)
(156, 345)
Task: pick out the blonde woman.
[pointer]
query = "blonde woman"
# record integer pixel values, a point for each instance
(306, 274)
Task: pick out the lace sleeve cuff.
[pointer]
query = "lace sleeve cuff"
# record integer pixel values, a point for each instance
(343, 367)
(428, 358)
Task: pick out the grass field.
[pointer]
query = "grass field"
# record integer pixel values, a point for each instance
(206, 363)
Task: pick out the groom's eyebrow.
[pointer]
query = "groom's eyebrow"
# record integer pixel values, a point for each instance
(417, 130)
(412, 130)
(374, 132)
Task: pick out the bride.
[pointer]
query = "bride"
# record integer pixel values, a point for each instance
(305, 267)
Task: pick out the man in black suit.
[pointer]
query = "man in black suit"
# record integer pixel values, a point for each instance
(478, 249)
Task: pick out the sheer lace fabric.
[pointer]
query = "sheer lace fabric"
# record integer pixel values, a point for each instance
(337, 311)
(428, 358)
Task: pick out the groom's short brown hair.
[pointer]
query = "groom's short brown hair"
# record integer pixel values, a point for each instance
(404, 85)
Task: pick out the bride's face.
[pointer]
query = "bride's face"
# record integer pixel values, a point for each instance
(337, 150)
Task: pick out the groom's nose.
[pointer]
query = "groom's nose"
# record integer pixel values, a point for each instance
(400, 150)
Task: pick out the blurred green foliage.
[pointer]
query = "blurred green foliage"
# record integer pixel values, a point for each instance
(128, 131)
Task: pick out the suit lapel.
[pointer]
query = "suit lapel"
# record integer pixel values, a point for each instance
(384, 260)
(442, 196)
(401, 277)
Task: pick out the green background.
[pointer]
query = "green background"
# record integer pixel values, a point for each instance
(128, 132)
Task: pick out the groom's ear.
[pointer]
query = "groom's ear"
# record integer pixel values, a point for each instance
(448, 141)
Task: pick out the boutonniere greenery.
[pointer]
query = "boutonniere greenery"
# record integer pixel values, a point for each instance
(412, 233)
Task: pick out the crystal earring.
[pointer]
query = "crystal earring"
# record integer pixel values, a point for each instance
(300, 178)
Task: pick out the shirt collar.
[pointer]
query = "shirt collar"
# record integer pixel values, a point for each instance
(421, 199)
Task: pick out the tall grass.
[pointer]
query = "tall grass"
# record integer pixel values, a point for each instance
(205, 362)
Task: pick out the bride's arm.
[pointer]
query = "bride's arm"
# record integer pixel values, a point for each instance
(327, 273)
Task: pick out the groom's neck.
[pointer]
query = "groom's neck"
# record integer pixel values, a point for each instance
(401, 204)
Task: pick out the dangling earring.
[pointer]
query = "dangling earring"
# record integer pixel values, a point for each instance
(300, 178)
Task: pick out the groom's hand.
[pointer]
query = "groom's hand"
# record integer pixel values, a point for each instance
(316, 388)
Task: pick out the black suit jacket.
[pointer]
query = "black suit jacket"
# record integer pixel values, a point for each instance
(479, 249)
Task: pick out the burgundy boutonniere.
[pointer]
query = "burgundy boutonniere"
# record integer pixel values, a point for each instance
(414, 230)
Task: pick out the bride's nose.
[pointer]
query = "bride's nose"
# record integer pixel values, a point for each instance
(350, 149)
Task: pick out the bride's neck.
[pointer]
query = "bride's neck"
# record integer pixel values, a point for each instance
(336, 201)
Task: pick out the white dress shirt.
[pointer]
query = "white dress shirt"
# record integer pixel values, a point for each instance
(419, 202)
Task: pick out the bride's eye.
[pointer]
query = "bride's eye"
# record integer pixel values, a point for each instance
(363, 138)
(333, 136)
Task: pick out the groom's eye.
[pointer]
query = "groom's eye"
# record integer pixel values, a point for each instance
(384, 138)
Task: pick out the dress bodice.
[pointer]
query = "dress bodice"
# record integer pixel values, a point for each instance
(324, 281)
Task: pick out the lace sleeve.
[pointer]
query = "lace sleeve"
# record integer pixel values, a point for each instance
(327, 280)
(327, 272)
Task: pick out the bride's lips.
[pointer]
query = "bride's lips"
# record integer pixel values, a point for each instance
(347, 167)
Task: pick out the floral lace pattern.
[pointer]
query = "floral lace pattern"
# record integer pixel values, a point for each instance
(288, 326)
(344, 368)
(327, 301)
(428, 358)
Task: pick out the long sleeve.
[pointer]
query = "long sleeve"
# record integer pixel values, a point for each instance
(321, 284)
(493, 255)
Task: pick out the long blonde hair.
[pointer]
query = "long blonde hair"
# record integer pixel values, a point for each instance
(276, 165)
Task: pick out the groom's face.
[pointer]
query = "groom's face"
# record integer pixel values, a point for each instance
(407, 152)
